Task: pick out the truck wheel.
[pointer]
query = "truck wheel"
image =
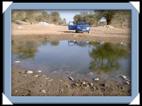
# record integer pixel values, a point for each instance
(76, 31)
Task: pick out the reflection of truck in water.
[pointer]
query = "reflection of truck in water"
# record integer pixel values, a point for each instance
(79, 27)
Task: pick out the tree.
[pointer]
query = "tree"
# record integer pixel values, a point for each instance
(55, 17)
(108, 14)
(78, 18)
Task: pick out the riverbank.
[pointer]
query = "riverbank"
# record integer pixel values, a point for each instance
(32, 83)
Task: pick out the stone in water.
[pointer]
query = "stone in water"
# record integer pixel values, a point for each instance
(17, 61)
(39, 71)
(71, 78)
(29, 72)
(96, 79)
(123, 77)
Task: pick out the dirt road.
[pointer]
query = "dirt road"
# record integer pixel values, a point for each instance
(101, 33)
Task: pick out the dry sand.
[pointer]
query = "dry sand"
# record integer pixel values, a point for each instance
(101, 33)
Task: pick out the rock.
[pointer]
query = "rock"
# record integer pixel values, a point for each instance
(39, 71)
(43, 91)
(50, 80)
(102, 42)
(17, 61)
(94, 88)
(20, 27)
(36, 76)
(24, 75)
(91, 73)
(127, 82)
(67, 85)
(29, 72)
(123, 43)
(87, 85)
(103, 85)
(61, 90)
(75, 84)
(46, 78)
(87, 41)
(96, 79)
(54, 72)
(71, 78)
(91, 84)
(83, 82)
(123, 77)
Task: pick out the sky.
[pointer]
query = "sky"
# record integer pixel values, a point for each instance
(68, 14)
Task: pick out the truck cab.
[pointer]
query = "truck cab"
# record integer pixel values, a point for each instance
(79, 27)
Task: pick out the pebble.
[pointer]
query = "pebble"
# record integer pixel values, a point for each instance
(96, 79)
(76, 84)
(43, 75)
(123, 43)
(46, 78)
(127, 82)
(87, 41)
(91, 84)
(102, 42)
(91, 73)
(39, 71)
(20, 27)
(29, 72)
(67, 85)
(103, 85)
(71, 78)
(124, 78)
(50, 80)
(17, 61)
(87, 86)
(54, 71)
(24, 75)
(83, 82)
(61, 90)
(43, 91)
(36, 76)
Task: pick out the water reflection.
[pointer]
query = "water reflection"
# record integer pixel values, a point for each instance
(25, 50)
(54, 43)
(77, 43)
(105, 56)
(79, 56)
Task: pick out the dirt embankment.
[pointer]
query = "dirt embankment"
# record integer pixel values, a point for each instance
(101, 33)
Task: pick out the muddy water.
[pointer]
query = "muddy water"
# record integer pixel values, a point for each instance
(80, 59)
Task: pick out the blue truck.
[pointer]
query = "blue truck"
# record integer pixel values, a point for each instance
(79, 27)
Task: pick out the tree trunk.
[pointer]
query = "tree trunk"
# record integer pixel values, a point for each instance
(108, 21)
